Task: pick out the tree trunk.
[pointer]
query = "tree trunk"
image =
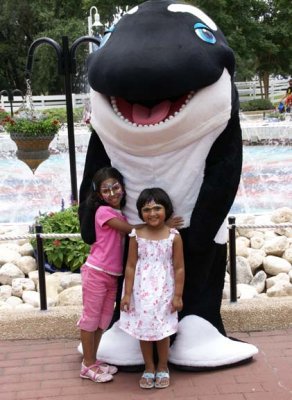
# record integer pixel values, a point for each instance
(266, 84)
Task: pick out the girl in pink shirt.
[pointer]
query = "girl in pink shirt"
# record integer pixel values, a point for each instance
(102, 268)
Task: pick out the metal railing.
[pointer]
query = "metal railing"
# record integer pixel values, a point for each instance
(40, 236)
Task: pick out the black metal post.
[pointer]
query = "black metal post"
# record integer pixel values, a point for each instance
(70, 117)
(66, 66)
(9, 94)
(232, 259)
(10, 99)
(41, 267)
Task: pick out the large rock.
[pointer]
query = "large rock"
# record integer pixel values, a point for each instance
(19, 285)
(287, 255)
(280, 289)
(259, 281)
(26, 249)
(243, 270)
(34, 275)
(255, 259)
(71, 296)
(275, 265)
(282, 215)
(273, 280)
(5, 292)
(27, 264)
(8, 256)
(14, 301)
(246, 291)
(53, 287)
(70, 280)
(33, 298)
(276, 246)
(8, 272)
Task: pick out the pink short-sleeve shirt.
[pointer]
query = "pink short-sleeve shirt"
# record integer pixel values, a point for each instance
(107, 252)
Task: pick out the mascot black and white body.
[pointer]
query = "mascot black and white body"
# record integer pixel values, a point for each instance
(165, 113)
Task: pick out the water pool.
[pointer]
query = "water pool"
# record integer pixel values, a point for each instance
(266, 184)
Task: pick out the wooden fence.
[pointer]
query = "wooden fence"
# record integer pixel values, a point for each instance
(247, 91)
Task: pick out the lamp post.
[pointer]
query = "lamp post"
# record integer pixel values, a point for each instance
(10, 94)
(66, 67)
(93, 21)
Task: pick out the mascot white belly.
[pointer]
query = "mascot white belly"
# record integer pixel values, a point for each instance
(165, 113)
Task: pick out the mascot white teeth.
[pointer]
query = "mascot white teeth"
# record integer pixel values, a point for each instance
(165, 113)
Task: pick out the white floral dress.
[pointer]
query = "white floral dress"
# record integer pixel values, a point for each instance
(149, 316)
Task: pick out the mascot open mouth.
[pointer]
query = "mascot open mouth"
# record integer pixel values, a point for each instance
(139, 114)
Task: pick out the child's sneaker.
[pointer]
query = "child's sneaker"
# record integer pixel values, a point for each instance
(106, 368)
(94, 373)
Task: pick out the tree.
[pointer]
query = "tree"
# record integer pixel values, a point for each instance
(273, 52)
(259, 32)
(23, 21)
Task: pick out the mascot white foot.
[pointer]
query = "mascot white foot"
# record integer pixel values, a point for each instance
(198, 345)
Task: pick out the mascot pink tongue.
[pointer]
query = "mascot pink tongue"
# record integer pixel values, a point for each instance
(146, 116)
(165, 112)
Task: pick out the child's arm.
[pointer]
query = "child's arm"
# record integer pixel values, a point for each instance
(130, 274)
(179, 273)
(122, 226)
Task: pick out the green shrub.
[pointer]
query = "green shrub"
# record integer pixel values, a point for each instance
(63, 253)
(61, 114)
(3, 115)
(32, 127)
(256, 105)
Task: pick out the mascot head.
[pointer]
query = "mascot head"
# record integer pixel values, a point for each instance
(163, 50)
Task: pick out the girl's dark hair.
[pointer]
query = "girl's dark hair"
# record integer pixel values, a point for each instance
(94, 199)
(159, 196)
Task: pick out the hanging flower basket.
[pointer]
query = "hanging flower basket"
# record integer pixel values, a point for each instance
(32, 137)
(32, 131)
(32, 150)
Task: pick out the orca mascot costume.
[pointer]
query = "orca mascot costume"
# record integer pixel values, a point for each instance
(165, 113)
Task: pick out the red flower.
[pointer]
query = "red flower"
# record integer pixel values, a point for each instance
(57, 243)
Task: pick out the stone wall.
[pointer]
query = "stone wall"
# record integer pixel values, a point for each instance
(263, 258)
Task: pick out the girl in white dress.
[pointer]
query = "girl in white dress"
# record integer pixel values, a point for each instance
(153, 286)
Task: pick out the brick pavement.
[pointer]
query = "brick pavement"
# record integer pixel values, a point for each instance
(49, 370)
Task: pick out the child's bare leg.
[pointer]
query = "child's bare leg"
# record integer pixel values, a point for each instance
(147, 352)
(147, 379)
(162, 350)
(97, 337)
(88, 346)
(162, 374)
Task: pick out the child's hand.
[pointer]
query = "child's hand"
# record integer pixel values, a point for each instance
(177, 304)
(175, 222)
(125, 303)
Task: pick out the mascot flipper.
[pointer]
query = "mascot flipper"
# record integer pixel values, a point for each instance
(165, 113)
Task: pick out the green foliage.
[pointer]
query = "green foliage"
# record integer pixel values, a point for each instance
(259, 32)
(256, 105)
(31, 127)
(69, 253)
(3, 115)
(277, 115)
(61, 115)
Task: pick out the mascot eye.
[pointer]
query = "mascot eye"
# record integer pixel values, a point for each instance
(106, 36)
(204, 33)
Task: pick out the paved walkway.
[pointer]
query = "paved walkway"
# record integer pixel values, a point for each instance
(49, 370)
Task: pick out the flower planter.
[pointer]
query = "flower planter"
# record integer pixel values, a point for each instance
(32, 150)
